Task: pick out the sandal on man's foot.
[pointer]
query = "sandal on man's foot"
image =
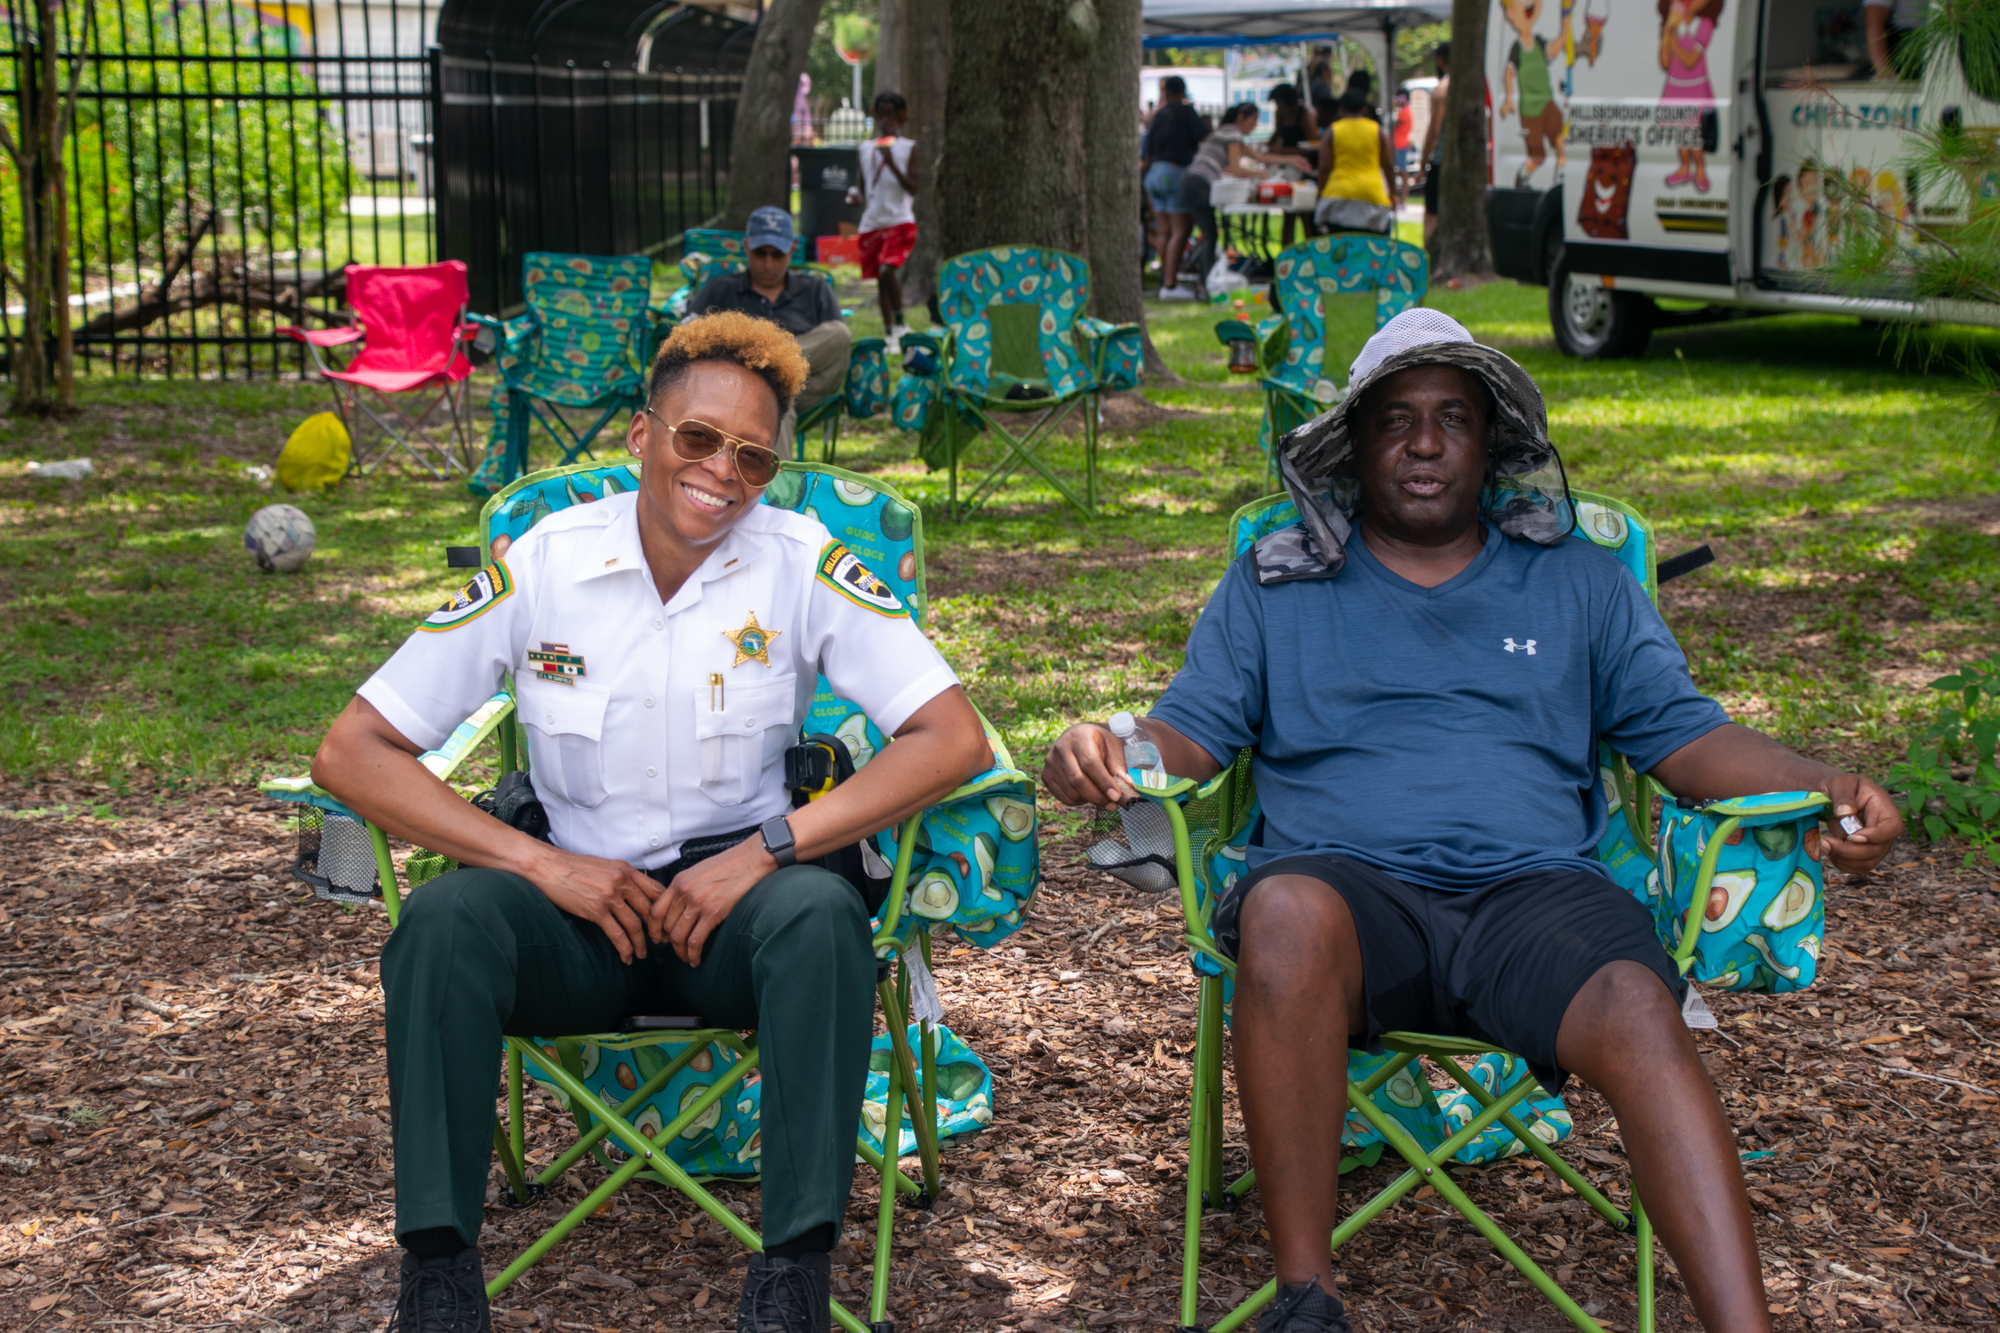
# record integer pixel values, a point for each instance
(786, 1296)
(442, 1296)
(1304, 1307)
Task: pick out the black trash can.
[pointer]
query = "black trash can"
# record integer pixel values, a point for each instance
(825, 176)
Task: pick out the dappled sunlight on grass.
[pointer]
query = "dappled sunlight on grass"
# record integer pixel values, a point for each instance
(1851, 502)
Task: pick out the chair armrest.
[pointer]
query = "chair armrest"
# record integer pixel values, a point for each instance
(922, 342)
(979, 891)
(1112, 351)
(506, 337)
(322, 337)
(303, 790)
(466, 736)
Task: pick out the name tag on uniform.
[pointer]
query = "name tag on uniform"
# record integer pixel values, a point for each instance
(556, 663)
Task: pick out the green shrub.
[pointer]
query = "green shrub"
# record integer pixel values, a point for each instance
(1950, 782)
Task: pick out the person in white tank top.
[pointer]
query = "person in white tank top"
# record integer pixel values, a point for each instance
(889, 219)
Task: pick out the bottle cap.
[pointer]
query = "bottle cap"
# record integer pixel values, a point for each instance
(1122, 725)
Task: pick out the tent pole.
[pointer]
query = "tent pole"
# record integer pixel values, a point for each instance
(1389, 73)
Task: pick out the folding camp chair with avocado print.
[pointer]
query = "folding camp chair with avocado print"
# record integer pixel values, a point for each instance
(707, 252)
(1018, 343)
(1741, 912)
(679, 1107)
(1292, 355)
(582, 345)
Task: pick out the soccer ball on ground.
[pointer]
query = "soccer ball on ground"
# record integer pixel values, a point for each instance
(281, 537)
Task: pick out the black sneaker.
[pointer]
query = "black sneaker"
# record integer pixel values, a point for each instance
(442, 1296)
(783, 1296)
(1304, 1308)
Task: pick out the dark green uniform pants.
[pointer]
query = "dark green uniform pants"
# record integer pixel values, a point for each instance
(480, 953)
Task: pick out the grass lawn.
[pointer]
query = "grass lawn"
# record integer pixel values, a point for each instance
(1852, 504)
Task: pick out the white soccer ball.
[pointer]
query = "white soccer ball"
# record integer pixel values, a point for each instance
(281, 537)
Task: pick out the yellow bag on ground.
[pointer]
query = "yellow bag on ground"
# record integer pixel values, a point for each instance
(317, 454)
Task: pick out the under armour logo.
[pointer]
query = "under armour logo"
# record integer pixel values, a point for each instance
(1528, 647)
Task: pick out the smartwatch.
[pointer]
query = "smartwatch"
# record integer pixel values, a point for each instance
(778, 841)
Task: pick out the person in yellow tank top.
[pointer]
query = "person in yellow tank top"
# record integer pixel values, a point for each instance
(1356, 171)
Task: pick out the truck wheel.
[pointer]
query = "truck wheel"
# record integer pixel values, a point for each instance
(1593, 322)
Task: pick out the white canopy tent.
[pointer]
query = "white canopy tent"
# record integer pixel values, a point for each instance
(1229, 23)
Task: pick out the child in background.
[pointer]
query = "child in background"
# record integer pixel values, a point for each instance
(889, 221)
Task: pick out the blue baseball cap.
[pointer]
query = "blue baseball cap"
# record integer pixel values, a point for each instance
(769, 226)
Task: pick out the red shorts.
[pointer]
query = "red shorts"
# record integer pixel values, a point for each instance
(888, 247)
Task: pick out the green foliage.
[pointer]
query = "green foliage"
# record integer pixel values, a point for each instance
(1961, 740)
(1414, 47)
(832, 77)
(142, 173)
(1876, 253)
(854, 35)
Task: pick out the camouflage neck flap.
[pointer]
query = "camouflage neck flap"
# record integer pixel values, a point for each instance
(1526, 493)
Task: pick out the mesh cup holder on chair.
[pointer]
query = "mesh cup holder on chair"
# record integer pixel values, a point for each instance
(336, 857)
(1136, 844)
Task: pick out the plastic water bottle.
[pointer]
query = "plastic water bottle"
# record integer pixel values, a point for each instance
(1140, 752)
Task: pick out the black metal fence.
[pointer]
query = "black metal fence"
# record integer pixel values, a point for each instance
(228, 160)
(231, 157)
(575, 158)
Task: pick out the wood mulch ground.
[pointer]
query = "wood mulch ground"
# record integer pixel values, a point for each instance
(193, 1119)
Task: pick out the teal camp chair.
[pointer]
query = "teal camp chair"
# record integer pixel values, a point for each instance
(679, 1107)
(583, 344)
(1017, 342)
(1293, 359)
(707, 252)
(1737, 912)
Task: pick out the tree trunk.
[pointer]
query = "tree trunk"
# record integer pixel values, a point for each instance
(760, 150)
(889, 43)
(1464, 241)
(927, 70)
(1111, 170)
(1013, 170)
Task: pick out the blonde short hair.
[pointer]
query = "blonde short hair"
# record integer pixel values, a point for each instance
(759, 346)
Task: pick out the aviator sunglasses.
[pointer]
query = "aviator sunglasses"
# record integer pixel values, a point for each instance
(695, 440)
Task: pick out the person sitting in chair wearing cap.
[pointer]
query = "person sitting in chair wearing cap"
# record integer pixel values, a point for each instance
(799, 301)
(1431, 796)
(692, 622)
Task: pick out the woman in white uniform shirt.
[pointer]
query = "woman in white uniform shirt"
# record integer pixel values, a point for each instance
(687, 622)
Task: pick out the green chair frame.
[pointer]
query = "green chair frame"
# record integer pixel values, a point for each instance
(1215, 813)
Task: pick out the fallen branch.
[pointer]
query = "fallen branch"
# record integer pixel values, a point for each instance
(1963, 1254)
(249, 291)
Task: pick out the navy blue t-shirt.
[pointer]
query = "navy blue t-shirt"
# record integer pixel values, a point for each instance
(1447, 735)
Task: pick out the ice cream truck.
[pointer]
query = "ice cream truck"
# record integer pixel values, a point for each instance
(1682, 149)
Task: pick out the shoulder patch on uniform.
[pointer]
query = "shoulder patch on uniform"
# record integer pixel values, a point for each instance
(841, 570)
(489, 587)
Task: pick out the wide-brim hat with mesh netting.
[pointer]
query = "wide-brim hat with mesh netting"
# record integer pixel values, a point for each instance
(1526, 495)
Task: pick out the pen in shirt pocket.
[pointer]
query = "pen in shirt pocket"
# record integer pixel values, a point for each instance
(716, 692)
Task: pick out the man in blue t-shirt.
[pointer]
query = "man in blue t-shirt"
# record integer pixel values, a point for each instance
(1425, 704)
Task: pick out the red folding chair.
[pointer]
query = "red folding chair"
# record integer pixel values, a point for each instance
(417, 338)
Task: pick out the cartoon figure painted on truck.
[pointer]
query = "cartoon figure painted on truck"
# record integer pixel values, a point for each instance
(1607, 193)
(1530, 82)
(1812, 217)
(1686, 28)
(1783, 219)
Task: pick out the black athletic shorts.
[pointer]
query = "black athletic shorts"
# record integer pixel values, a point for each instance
(1431, 188)
(1498, 964)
